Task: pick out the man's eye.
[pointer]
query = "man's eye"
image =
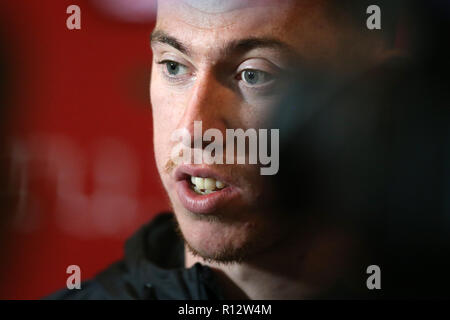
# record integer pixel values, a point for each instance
(255, 77)
(174, 68)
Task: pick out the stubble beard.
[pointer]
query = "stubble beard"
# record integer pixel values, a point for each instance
(228, 253)
(257, 242)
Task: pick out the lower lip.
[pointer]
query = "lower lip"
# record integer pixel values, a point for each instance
(203, 204)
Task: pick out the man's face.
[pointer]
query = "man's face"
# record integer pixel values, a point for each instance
(223, 64)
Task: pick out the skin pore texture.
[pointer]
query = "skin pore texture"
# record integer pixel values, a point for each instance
(201, 51)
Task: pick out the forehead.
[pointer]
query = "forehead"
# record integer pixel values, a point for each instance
(220, 6)
(209, 14)
(209, 24)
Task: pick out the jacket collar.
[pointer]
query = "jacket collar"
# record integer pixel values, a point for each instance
(155, 257)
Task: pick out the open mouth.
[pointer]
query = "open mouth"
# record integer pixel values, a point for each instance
(202, 190)
(205, 186)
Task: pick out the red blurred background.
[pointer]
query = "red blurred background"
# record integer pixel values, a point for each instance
(79, 139)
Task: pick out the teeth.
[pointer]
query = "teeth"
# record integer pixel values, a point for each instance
(219, 184)
(210, 184)
(206, 185)
(200, 183)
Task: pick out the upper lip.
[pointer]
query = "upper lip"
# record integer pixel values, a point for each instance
(183, 172)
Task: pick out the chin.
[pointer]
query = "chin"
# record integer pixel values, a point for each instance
(216, 239)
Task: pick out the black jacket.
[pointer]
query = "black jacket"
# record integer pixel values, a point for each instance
(153, 268)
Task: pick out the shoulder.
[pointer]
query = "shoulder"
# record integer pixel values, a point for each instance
(90, 290)
(114, 283)
(129, 278)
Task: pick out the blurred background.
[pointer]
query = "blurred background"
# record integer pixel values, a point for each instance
(77, 170)
(373, 158)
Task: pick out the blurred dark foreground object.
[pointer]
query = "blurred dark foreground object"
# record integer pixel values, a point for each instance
(371, 158)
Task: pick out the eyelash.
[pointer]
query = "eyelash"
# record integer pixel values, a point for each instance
(264, 88)
(168, 77)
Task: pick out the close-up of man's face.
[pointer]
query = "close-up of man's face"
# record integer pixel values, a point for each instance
(224, 150)
(224, 63)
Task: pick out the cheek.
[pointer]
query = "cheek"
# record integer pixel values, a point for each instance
(166, 116)
(257, 115)
(162, 123)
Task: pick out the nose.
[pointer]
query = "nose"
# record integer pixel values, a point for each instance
(208, 101)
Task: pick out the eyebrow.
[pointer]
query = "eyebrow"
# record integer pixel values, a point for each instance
(240, 45)
(162, 37)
